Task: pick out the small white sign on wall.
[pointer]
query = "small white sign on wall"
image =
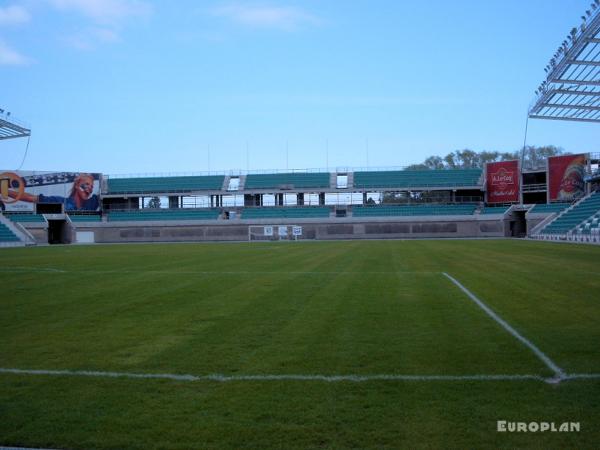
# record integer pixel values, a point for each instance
(84, 237)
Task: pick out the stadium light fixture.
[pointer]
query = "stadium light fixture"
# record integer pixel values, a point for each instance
(571, 90)
(11, 128)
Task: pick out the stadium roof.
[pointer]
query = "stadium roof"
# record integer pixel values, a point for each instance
(571, 90)
(10, 128)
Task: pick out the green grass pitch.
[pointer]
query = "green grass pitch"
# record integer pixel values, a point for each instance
(350, 309)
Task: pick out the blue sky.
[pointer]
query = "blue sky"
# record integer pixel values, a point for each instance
(132, 86)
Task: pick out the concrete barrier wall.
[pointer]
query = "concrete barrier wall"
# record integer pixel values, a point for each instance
(404, 229)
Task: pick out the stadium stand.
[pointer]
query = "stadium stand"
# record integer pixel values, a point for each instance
(165, 214)
(164, 184)
(25, 217)
(417, 178)
(579, 214)
(287, 180)
(6, 235)
(413, 210)
(548, 208)
(494, 210)
(285, 213)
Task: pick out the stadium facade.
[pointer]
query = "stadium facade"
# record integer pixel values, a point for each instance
(555, 201)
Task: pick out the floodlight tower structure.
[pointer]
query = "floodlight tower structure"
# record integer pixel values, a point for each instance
(10, 128)
(571, 90)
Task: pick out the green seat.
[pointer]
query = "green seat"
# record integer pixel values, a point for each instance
(26, 217)
(164, 184)
(413, 210)
(286, 213)
(167, 214)
(287, 180)
(571, 219)
(85, 218)
(6, 235)
(418, 178)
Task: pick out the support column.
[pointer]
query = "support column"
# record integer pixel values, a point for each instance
(364, 198)
(279, 199)
(248, 200)
(173, 202)
(322, 198)
(300, 199)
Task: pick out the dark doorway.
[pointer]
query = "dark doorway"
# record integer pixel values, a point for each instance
(518, 224)
(49, 208)
(56, 230)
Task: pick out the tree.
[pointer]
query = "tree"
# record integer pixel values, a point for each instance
(434, 163)
(533, 157)
(417, 167)
(154, 203)
(467, 159)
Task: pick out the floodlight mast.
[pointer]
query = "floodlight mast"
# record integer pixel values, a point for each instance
(11, 128)
(571, 90)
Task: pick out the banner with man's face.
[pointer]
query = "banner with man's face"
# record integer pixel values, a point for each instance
(566, 177)
(502, 182)
(20, 191)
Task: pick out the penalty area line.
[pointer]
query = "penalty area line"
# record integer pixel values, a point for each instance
(559, 374)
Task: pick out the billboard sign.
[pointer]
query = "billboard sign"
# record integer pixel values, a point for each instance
(566, 176)
(21, 190)
(502, 182)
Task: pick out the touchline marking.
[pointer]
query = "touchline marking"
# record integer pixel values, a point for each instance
(222, 378)
(272, 377)
(558, 372)
(209, 272)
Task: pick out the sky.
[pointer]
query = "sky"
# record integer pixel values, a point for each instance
(140, 86)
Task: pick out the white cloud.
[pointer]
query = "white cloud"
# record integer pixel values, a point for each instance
(104, 11)
(11, 57)
(89, 38)
(13, 15)
(281, 17)
(106, 19)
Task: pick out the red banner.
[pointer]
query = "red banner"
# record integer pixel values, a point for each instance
(566, 177)
(502, 182)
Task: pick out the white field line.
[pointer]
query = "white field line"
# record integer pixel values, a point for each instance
(209, 272)
(558, 372)
(221, 378)
(272, 377)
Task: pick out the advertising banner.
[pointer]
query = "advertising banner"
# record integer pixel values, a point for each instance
(566, 177)
(502, 182)
(20, 191)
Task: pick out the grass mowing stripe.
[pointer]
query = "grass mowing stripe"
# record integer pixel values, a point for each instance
(275, 377)
(559, 373)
